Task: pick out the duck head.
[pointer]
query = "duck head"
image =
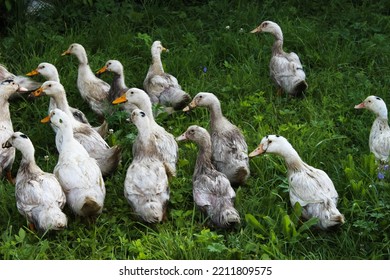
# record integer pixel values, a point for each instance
(50, 88)
(202, 99)
(375, 104)
(271, 144)
(47, 70)
(9, 87)
(111, 66)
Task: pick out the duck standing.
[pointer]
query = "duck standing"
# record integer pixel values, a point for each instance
(310, 187)
(166, 145)
(285, 68)
(107, 157)
(379, 140)
(39, 196)
(92, 89)
(7, 155)
(146, 183)
(229, 148)
(212, 191)
(163, 88)
(77, 172)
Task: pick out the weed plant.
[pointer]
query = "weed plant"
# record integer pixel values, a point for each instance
(344, 48)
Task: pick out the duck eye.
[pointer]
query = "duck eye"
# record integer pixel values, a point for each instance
(277, 135)
(200, 96)
(60, 120)
(132, 92)
(142, 114)
(49, 85)
(43, 66)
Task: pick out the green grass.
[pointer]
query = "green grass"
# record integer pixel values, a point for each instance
(344, 50)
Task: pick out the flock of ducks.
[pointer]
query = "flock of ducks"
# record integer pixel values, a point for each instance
(222, 163)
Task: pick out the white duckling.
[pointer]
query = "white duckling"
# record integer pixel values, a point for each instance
(92, 89)
(39, 196)
(146, 183)
(310, 187)
(285, 68)
(166, 144)
(118, 86)
(107, 158)
(50, 73)
(163, 88)
(229, 148)
(78, 173)
(379, 140)
(7, 155)
(212, 191)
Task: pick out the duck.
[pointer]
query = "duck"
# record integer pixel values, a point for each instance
(163, 88)
(285, 68)
(379, 139)
(22, 81)
(310, 187)
(78, 173)
(7, 155)
(107, 157)
(146, 183)
(118, 85)
(92, 89)
(166, 144)
(39, 195)
(212, 191)
(229, 148)
(50, 73)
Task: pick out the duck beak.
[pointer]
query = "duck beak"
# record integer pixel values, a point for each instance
(22, 89)
(121, 99)
(102, 70)
(46, 119)
(32, 73)
(181, 137)
(360, 106)
(6, 145)
(38, 92)
(190, 106)
(67, 52)
(258, 151)
(256, 30)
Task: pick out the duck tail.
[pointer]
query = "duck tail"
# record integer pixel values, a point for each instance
(102, 129)
(49, 218)
(300, 88)
(90, 207)
(109, 162)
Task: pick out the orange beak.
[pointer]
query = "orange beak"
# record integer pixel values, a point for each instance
(102, 70)
(32, 73)
(121, 99)
(256, 30)
(38, 92)
(65, 52)
(190, 106)
(46, 119)
(258, 151)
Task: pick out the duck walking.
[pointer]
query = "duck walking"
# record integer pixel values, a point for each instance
(379, 140)
(229, 148)
(146, 183)
(163, 88)
(285, 68)
(212, 191)
(39, 196)
(310, 187)
(77, 172)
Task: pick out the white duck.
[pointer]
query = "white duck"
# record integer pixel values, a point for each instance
(39, 196)
(77, 172)
(379, 140)
(22, 81)
(7, 155)
(92, 89)
(212, 191)
(118, 86)
(229, 149)
(107, 158)
(163, 88)
(310, 187)
(50, 73)
(166, 144)
(146, 183)
(285, 68)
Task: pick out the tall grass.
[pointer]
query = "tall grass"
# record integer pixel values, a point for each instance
(344, 50)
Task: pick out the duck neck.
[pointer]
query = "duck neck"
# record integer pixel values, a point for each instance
(277, 47)
(293, 160)
(62, 103)
(119, 80)
(157, 66)
(380, 124)
(4, 109)
(66, 134)
(204, 155)
(28, 158)
(216, 114)
(146, 106)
